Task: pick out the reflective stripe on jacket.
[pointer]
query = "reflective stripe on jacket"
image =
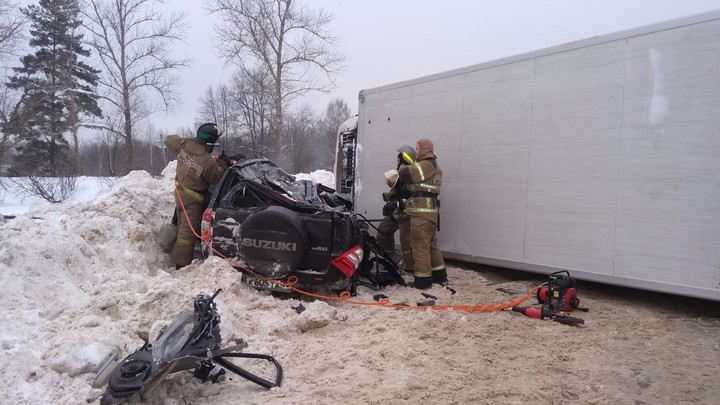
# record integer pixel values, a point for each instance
(424, 180)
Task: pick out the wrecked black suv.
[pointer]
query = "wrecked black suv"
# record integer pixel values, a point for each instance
(276, 228)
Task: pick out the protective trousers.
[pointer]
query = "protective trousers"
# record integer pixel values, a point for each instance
(386, 237)
(182, 253)
(426, 255)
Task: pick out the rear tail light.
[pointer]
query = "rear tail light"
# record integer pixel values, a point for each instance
(349, 261)
(206, 226)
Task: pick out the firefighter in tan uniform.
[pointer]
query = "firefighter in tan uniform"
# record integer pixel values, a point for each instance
(394, 217)
(196, 171)
(424, 179)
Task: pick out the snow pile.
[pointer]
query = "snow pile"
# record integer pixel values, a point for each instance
(67, 273)
(82, 280)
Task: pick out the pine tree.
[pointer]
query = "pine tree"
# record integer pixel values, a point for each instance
(58, 88)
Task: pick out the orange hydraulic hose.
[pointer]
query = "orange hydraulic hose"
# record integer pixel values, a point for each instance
(345, 295)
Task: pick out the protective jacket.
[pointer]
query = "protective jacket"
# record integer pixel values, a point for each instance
(423, 179)
(196, 168)
(196, 171)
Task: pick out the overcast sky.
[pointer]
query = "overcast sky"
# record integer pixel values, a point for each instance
(388, 41)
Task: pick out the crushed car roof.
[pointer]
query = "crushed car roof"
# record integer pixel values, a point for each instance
(268, 174)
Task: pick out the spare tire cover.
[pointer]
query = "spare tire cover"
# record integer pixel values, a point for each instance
(273, 241)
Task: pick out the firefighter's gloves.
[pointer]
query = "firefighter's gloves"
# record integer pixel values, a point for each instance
(389, 208)
(226, 159)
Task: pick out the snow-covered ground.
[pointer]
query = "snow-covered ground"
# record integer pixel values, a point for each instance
(81, 279)
(14, 201)
(89, 276)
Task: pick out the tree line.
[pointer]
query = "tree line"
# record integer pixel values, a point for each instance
(102, 69)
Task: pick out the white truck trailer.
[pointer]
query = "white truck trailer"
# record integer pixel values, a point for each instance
(601, 156)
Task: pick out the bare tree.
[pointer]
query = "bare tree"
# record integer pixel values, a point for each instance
(287, 39)
(336, 113)
(254, 103)
(210, 106)
(134, 40)
(108, 150)
(218, 106)
(301, 131)
(11, 33)
(11, 24)
(52, 189)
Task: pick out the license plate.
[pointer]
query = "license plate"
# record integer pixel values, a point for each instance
(264, 284)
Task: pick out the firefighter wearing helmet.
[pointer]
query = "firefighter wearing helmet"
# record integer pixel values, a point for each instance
(394, 218)
(423, 179)
(196, 171)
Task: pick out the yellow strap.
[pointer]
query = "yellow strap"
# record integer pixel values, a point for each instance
(194, 194)
(184, 242)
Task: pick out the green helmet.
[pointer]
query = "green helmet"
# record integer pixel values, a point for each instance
(208, 133)
(406, 153)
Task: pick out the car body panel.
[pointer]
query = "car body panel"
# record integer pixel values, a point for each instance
(273, 226)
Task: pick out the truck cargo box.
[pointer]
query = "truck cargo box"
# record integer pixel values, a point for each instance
(600, 156)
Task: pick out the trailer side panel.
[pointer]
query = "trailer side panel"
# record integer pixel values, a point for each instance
(601, 157)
